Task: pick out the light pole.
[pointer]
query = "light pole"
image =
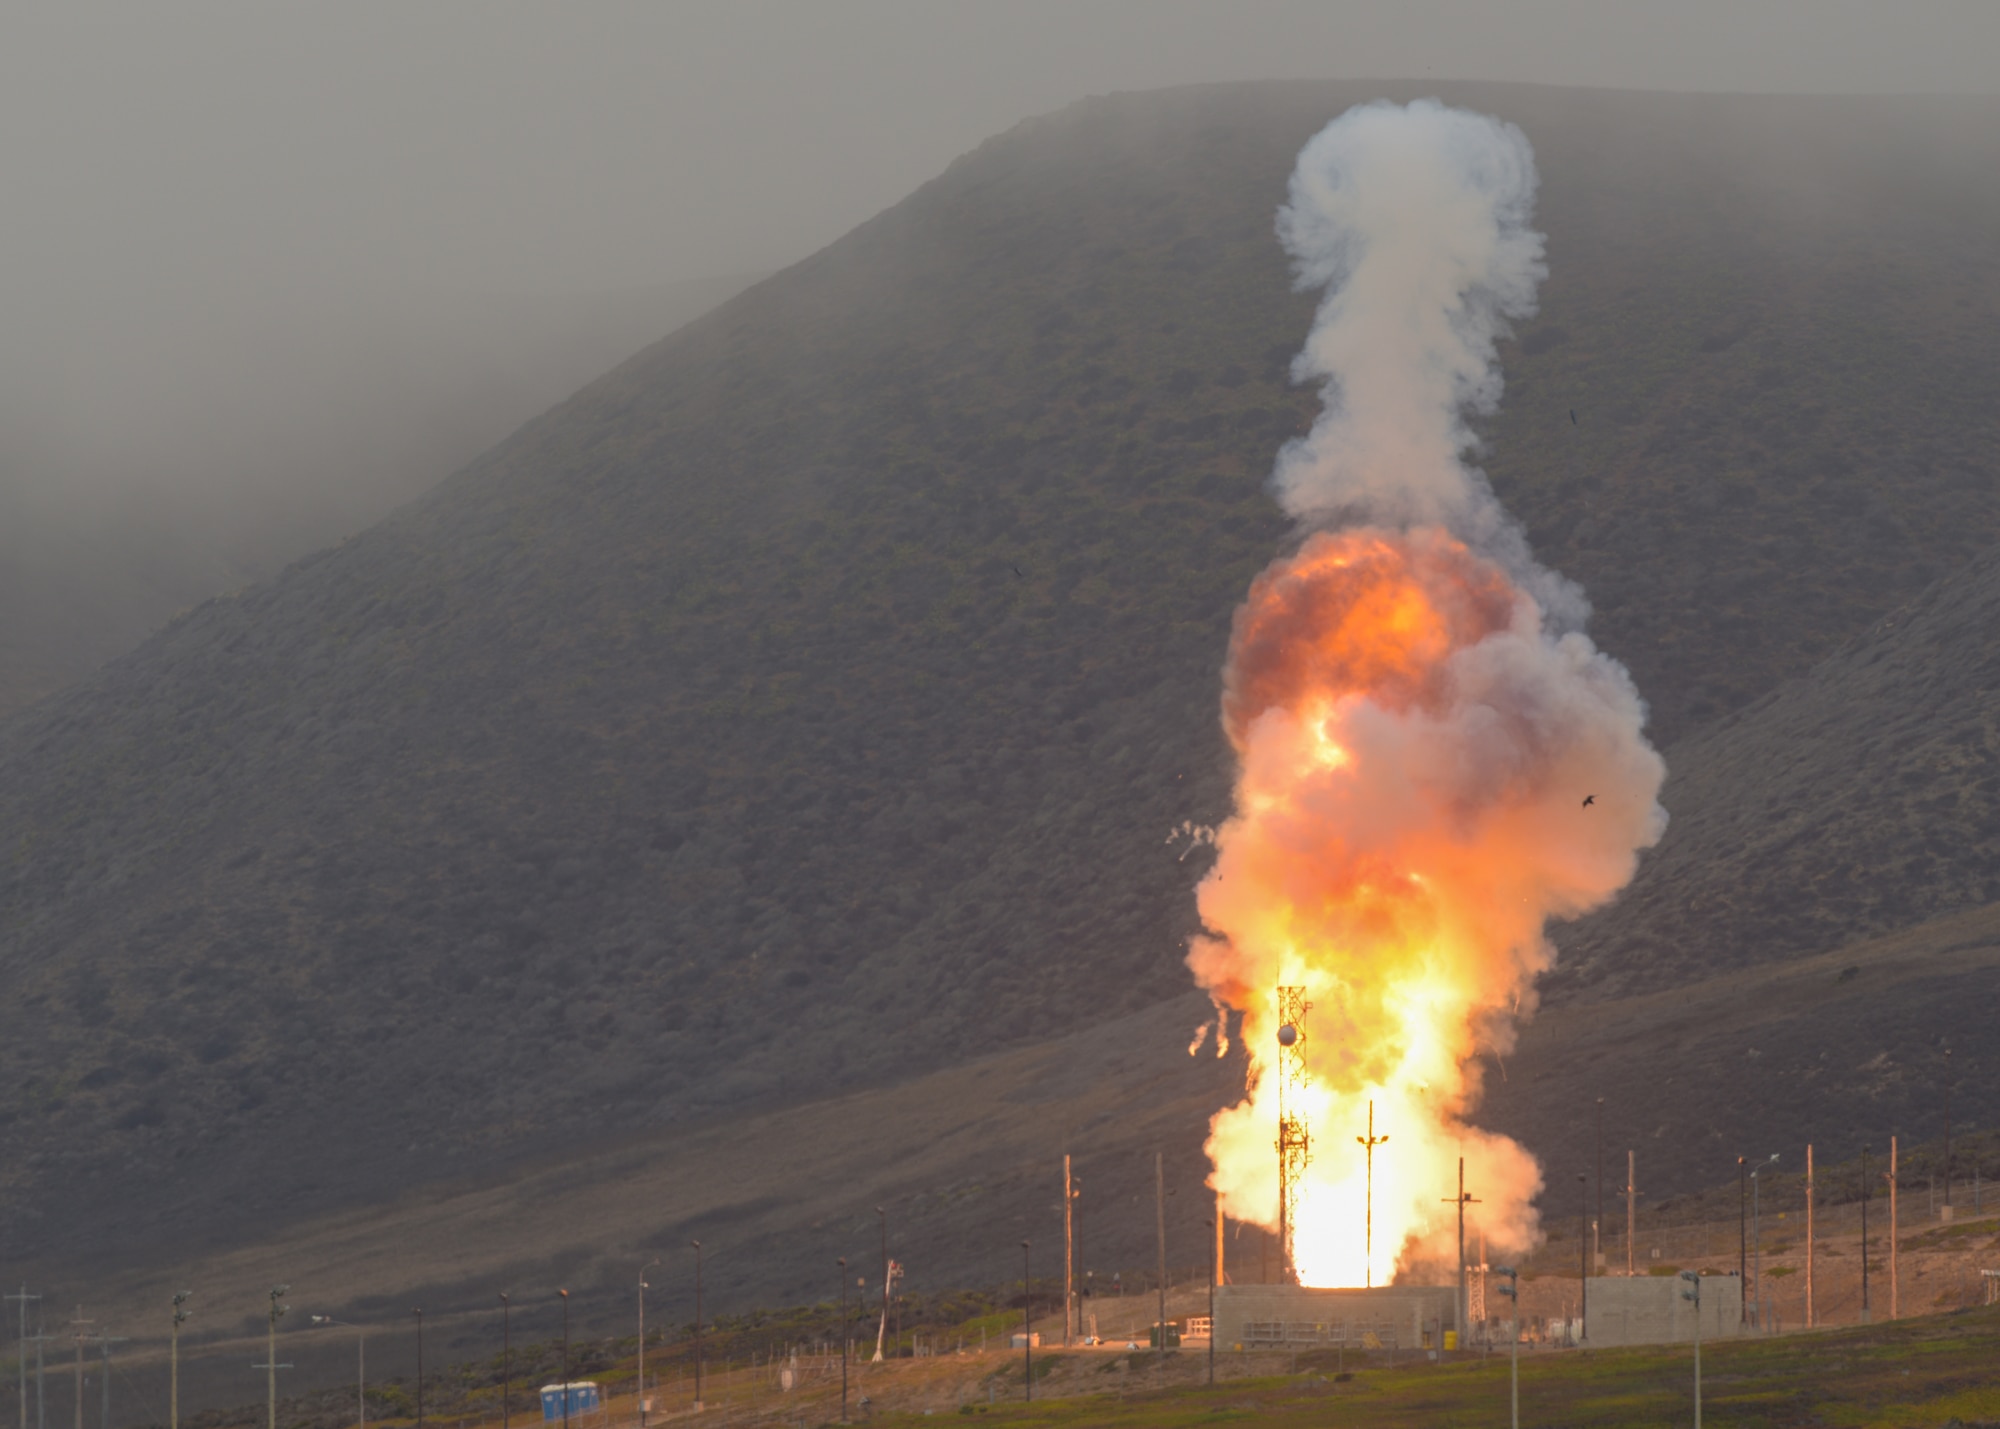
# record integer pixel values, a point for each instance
(1583, 1246)
(1461, 1200)
(1370, 1142)
(642, 1339)
(1743, 1240)
(1757, 1237)
(882, 1220)
(360, 1365)
(506, 1364)
(271, 1358)
(173, 1373)
(565, 1358)
(843, 1339)
(1693, 1292)
(1947, 1133)
(1512, 1290)
(1027, 1329)
(697, 1322)
(1597, 1226)
(420, 1365)
(1865, 1316)
(1216, 1225)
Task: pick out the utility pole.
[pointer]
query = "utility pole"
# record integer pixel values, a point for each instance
(271, 1365)
(1597, 1226)
(506, 1362)
(642, 1341)
(1809, 1235)
(174, 1360)
(1947, 1133)
(361, 1367)
(882, 1333)
(843, 1339)
(104, 1344)
(1865, 1317)
(1027, 1328)
(40, 1337)
(697, 1323)
(1461, 1200)
(1631, 1212)
(1221, 1224)
(24, 1297)
(1583, 1256)
(1211, 1301)
(1160, 1212)
(1370, 1141)
(419, 1316)
(1693, 1292)
(1512, 1290)
(1743, 1239)
(1895, 1226)
(1069, 1252)
(80, 1333)
(1757, 1235)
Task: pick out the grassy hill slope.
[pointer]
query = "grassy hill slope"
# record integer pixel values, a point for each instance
(804, 704)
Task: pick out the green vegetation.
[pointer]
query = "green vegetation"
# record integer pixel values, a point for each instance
(1931, 1372)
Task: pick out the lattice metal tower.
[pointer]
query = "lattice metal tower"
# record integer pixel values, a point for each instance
(1294, 1142)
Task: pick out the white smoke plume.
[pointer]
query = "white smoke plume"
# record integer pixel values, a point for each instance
(1414, 219)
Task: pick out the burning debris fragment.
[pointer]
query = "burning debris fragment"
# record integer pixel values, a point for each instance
(1416, 715)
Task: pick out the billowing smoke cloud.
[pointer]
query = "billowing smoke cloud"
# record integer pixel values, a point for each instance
(1414, 220)
(1432, 764)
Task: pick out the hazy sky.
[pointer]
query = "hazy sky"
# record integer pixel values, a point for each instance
(269, 255)
(578, 145)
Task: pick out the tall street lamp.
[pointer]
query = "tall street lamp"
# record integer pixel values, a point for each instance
(173, 1356)
(1693, 1293)
(882, 1220)
(697, 1322)
(271, 1358)
(1512, 1290)
(1216, 1226)
(565, 1357)
(1597, 1226)
(1865, 1316)
(1027, 1328)
(506, 1364)
(360, 1365)
(1757, 1238)
(1947, 1133)
(420, 1367)
(1743, 1237)
(1583, 1245)
(643, 1287)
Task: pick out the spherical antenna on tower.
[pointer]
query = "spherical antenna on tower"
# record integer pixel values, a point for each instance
(1287, 1035)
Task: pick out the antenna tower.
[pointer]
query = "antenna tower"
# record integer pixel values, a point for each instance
(1294, 1143)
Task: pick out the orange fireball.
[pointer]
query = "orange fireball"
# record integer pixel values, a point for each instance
(1414, 747)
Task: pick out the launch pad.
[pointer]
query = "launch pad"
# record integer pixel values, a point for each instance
(1389, 1317)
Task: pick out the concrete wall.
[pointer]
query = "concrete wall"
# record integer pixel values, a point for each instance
(1394, 1317)
(1649, 1310)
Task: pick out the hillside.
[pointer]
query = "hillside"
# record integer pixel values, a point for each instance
(804, 705)
(1861, 798)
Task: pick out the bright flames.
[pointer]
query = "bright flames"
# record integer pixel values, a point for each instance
(1415, 754)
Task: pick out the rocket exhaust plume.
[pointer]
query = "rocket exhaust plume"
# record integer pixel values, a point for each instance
(1417, 719)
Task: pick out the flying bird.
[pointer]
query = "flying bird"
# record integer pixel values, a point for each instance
(1572, 416)
(1588, 800)
(1017, 572)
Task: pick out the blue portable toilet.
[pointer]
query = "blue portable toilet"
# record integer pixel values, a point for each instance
(582, 1399)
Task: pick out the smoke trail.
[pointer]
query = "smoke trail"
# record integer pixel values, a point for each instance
(1414, 220)
(1416, 721)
